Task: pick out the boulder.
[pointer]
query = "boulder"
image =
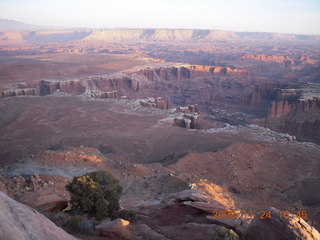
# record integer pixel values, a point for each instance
(238, 225)
(116, 229)
(18, 221)
(144, 231)
(280, 227)
(191, 195)
(207, 207)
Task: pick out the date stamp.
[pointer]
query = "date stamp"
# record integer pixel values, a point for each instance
(232, 214)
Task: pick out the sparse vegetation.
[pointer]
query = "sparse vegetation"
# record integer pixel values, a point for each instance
(73, 223)
(80, 223)
(97, 193)
(225, 234)
(127, 215)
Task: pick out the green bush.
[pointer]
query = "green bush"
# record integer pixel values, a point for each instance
(73, 223)
(97, 193)
(79, 223)
(225, 234)
(127, 215)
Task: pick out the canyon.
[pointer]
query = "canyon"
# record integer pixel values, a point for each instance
(189, 121)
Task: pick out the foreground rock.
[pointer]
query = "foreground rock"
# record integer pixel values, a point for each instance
(18, 221)
(117, 229)
(280, 228)
(46, 200)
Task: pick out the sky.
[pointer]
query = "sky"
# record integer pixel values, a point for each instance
(282, 16)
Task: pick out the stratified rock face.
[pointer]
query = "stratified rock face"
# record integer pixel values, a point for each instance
(281, 108)
(293, 63)
(18, 92)
(189, 72)
(49, 87)
(301, 118)
(113, 83)
(263, 95)
(280, 227)
(18, 221)
(155, 103)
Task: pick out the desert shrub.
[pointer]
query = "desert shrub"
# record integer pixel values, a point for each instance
(79, 223)
(224, 234)
(73, 223)
(127, 215)
(97, 193)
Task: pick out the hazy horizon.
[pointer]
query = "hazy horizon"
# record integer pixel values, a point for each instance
(296, 17)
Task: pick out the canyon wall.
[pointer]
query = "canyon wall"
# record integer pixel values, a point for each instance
(189, 72)
(18, 92)
(266, 93)
(301, 118)
(287, 109)
(287, 61)
(145, 80)
(282, 108)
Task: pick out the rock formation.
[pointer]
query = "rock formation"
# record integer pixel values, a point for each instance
(155, 103)
(287, 61)
(189, 120)
(281, 108)
(17, 92)
(264, 94)
(46, 200)
(301, 118)
(18, 221)
(280, 226)
(72, 87)
(188, 109)
(113, 94)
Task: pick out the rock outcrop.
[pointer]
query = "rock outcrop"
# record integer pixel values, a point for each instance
(301, 118)
(281, 108)
(113, 94)
(189, 120)
(264, 94)
(46, 200)
(280, 227)
(155, 103)
(18, 221)
(287, 61)
(17, 92)
(49, 87)
(188, 109)
(190, 72)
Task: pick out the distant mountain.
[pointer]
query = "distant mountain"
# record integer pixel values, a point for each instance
(189, 35)
(6, 24)
(23, 32)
